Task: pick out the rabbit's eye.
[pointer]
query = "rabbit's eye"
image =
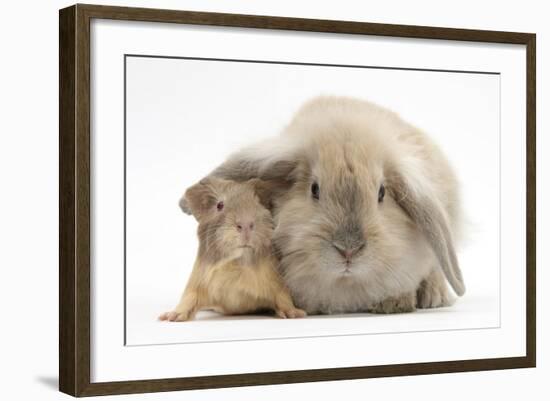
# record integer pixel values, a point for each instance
(315, 190)
(381, 193)
(219, 206)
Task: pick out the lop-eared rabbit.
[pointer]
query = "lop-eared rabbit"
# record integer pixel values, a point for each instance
(366, 209)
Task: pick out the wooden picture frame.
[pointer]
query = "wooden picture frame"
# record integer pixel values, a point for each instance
(74, 199)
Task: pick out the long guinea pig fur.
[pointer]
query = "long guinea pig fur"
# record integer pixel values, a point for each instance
(235, 271)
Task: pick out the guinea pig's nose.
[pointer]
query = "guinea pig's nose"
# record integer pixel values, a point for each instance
(348, 252)
(245, 226)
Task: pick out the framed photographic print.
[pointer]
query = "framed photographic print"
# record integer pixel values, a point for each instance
(251, 200)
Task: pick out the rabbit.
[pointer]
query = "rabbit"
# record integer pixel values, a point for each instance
(235, 271)
(367, 209)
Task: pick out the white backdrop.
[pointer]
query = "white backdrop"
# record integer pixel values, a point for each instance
(29, 177)
(185, 116)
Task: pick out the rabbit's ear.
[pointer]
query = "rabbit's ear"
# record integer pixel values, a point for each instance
(431, 219)
(273, 159)
(268, 190)
(200, 198)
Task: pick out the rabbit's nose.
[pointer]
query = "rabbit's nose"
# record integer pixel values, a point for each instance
(349, 252)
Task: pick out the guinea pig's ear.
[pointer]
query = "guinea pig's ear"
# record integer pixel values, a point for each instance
(185, 206)
(431, 219)
(200, 198)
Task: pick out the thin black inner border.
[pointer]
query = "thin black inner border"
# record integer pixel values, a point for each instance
(126, 56)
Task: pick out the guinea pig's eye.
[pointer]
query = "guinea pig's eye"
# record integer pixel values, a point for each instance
(315, 190)
(381, 193)
(219, 206)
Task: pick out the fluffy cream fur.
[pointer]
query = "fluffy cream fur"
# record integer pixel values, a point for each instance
(402, 246)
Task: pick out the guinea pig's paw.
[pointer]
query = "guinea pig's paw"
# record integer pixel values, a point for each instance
(433, 292)
(174, 316)
(402, 304)
(290, 313)
(163, 317)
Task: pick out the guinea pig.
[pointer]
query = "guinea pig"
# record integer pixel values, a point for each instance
(235, 271)
(369, 214)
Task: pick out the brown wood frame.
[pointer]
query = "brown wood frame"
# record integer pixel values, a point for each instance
(74, 199)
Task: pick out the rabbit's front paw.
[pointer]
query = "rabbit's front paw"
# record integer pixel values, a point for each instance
(433, 292)
(402, 304)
